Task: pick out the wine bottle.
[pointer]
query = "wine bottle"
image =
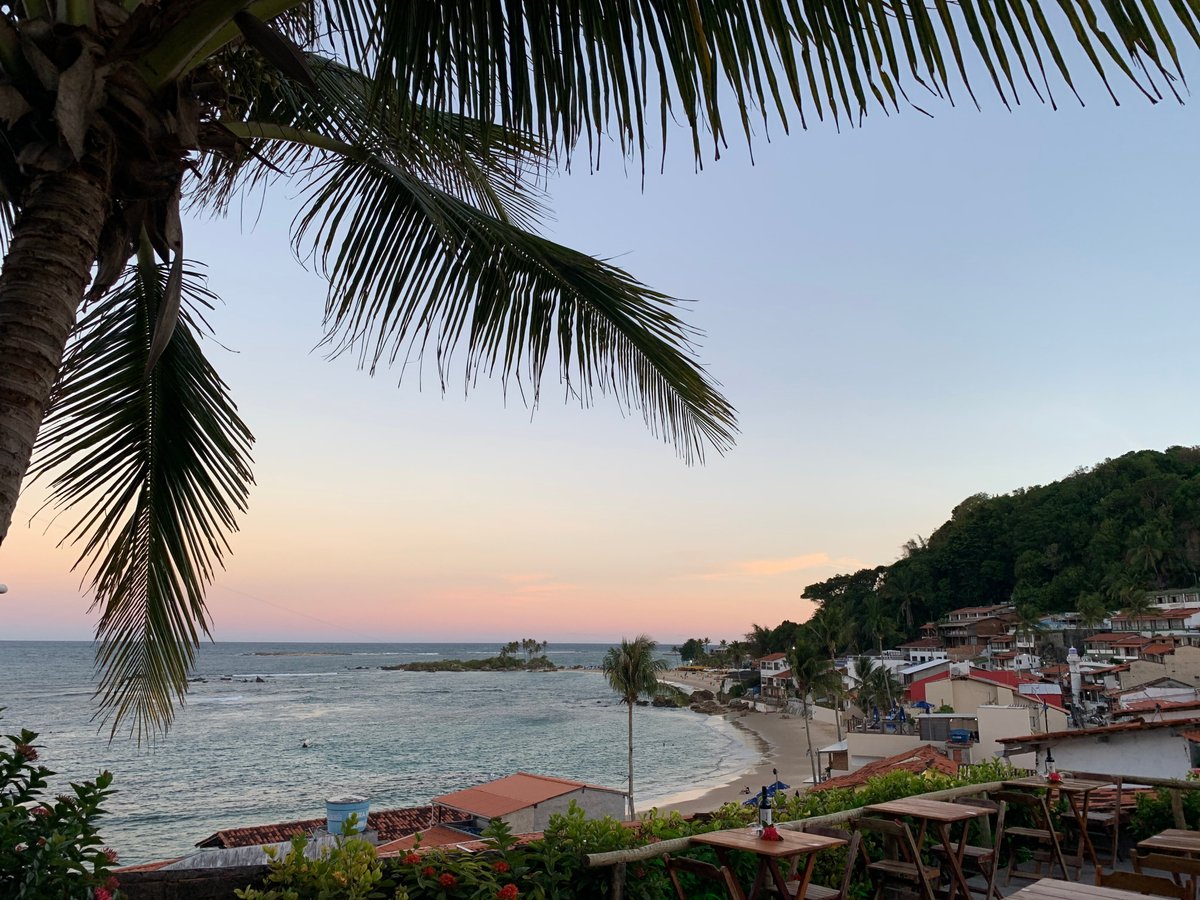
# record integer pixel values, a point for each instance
(764, 809)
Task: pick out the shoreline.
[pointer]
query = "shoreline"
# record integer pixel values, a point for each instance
(778, 739)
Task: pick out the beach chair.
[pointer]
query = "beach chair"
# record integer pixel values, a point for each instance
(1179, 867)
(1040, 831)
(820, 891)
(1154, 885)
(902, 861)
(717, 874)
(982, 858)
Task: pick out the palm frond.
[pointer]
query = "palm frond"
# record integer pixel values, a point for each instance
(158, 465)
(413, 268)
(572, 71)
(497, 170)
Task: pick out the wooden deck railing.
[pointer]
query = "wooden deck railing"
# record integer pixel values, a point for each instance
(619, 859)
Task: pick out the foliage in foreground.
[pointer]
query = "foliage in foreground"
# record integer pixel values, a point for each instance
(50, 848)
(553, 867)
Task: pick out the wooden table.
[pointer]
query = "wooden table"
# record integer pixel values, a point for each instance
(1053, 889)
(1173, 840)
(1078, 792)
(769, 853)
(941, 815)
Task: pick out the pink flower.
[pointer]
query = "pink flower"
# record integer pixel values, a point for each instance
(103, 894)
(27, 751)
(111, 855)
(41, 811)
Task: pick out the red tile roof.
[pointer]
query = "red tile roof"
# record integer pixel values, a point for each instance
(507, 795)
(922, 643)
(1004, 677)
(1151, 705)
(1159, 649)
(1135, 725)
(771, 657)
(437, 836)
(389, 823)
(915, 761)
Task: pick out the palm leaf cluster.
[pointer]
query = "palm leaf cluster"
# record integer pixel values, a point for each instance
(418, 136)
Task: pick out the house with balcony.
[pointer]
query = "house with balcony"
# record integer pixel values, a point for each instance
(775, 677)
(973, 625)
(923, 650)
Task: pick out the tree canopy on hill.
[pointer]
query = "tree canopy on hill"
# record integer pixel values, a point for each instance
(1094, 542)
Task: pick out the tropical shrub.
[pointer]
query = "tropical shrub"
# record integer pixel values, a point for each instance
(349, 870)
(1153, 812)
(50, 848)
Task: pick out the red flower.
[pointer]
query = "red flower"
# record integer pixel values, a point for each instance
(429, 871)
(447, 880)
(111, 855)
(412, 859)
(501, 866)
(103, 894)
(112, 884)
(41, 811)
(26, 751)
(508, 892)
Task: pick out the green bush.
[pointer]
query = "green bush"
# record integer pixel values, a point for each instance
(349, 870)
(553, 867)
(1153, 813)
(50, 849)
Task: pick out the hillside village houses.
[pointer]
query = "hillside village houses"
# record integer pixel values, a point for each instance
(984, 684)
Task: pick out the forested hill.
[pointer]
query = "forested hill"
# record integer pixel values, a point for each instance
(1093, 541)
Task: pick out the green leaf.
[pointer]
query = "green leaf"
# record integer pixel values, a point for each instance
(158, 468)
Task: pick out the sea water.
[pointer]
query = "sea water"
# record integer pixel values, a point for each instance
(234, 754)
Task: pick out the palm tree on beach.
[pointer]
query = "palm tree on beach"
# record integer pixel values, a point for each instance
(830, 630)
(418, 138)
(813, 675)
(632, 671)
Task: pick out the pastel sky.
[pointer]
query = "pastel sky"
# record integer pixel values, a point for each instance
(904, 314)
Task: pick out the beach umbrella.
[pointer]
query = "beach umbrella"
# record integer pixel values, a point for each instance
(777, 786)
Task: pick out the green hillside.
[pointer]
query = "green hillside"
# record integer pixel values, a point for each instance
(1094, 541)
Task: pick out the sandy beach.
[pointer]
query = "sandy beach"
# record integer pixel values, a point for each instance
(780, 740)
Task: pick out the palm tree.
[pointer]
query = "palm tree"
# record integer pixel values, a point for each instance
(419, 136)
(632, 672)
(813, 675)
(830, 630)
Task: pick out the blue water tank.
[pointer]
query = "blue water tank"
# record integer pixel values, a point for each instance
(339, 809)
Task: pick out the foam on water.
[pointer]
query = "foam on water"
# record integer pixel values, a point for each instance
(233, 756)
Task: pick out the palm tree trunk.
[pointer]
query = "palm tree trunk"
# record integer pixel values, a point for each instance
(46, 269)
(812, 756)
(631, 760)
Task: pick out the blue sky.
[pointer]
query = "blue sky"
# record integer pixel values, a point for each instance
(904, 314)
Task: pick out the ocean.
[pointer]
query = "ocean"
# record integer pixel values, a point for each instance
(234, 757)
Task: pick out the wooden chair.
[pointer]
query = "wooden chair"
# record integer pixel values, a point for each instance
(982, 859)
(903, 862)
(1041, 831)
(1105, 819)
(1155, 885)
(1178, 866)
(719, 874)
(820, 891)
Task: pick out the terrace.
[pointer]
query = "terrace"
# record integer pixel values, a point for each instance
(1062, 840)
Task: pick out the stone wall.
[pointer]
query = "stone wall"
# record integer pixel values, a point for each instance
(189, 884)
